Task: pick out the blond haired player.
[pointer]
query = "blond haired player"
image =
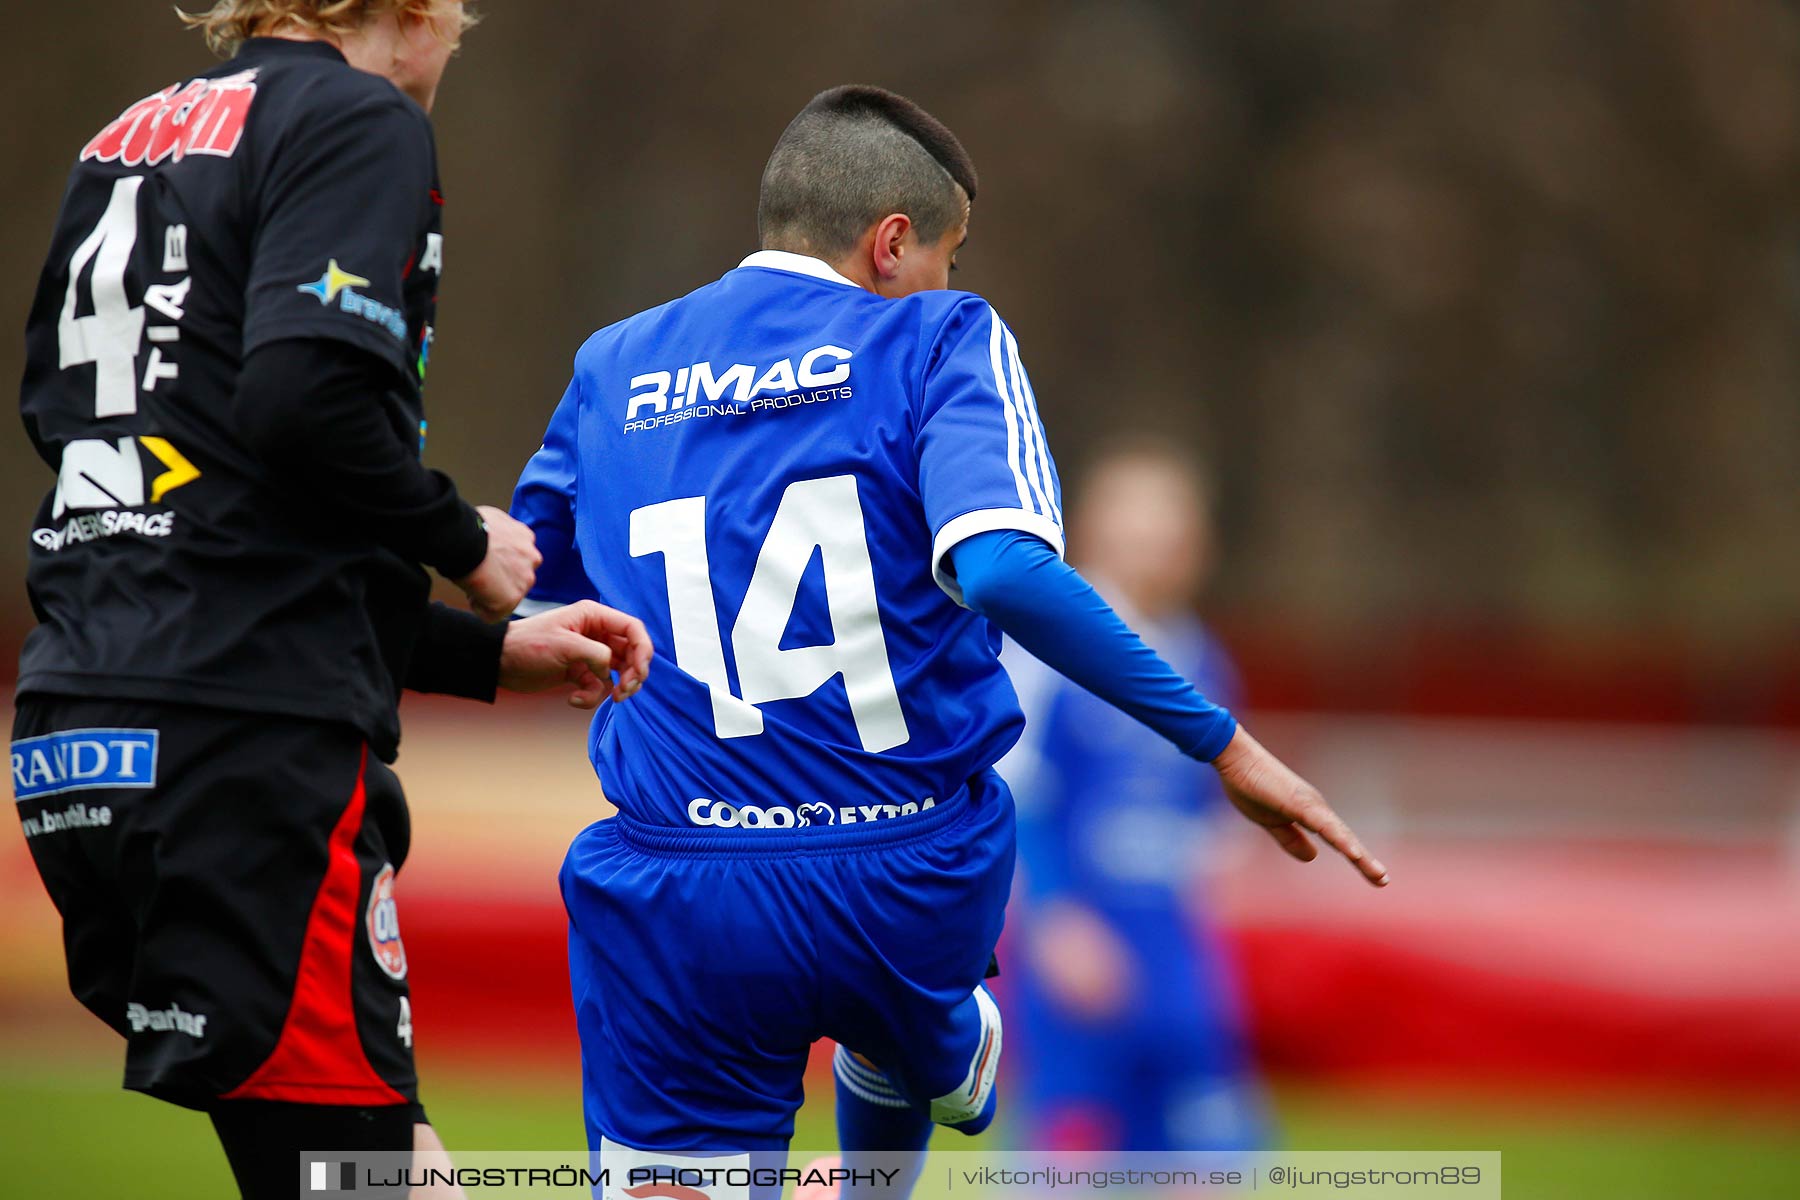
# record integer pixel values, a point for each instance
(225, 361)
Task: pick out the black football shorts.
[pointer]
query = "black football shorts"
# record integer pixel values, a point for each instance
(226, 885)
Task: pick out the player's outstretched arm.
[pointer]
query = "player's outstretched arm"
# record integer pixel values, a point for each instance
(581, 643)
(1017, 581)
(1268, 792)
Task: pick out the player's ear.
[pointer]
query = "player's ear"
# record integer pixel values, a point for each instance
(889, 243)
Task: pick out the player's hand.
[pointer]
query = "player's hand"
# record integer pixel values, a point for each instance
(507, 573)
(1263, 788)
(581, 643)
(1085, 966)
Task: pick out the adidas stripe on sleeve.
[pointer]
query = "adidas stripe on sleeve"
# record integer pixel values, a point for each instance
(984, 462)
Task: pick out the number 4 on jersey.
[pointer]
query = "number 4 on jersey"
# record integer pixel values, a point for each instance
(814, 514)
(109, 337)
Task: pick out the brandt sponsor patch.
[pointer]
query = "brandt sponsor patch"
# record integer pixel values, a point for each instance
(78, 759)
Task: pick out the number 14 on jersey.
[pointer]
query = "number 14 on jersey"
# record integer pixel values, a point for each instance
(814, 514)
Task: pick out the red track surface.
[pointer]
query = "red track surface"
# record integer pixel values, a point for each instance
(1525, 965)
(1489, 958)
(1647, 966)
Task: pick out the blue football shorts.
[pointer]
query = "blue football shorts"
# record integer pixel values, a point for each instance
(705, 962)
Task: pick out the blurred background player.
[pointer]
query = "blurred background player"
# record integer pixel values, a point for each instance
(1124, 999)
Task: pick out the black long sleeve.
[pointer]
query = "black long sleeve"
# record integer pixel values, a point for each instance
(457, 654)
(312, 410)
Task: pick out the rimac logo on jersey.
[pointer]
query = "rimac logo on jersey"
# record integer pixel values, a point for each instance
(383, 922)
(205, 117)
(696, 391)
(339, 285)
(78, 759)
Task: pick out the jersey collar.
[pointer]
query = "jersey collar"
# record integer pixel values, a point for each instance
(799, 264)
(259, 46)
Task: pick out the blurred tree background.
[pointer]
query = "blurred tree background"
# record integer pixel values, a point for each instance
(1483, 310)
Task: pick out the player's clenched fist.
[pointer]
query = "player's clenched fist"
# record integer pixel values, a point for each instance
(1267, 791)
(583, 643)
(507, 573)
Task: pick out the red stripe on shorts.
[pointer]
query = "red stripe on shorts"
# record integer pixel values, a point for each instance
(319, 1057)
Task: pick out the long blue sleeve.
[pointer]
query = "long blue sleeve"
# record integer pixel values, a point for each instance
(1017, 581)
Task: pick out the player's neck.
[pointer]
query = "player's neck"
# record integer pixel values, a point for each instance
(299, 33)
(375, 48)
(853, 266)
(858, 270)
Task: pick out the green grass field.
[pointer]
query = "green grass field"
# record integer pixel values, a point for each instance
(71, 1133)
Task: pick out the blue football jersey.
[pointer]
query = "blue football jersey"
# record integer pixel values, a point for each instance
(770, 472)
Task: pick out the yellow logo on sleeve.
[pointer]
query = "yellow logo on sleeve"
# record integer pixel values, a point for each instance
(334, 280)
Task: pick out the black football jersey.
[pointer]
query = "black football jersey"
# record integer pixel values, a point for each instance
(282, 195)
